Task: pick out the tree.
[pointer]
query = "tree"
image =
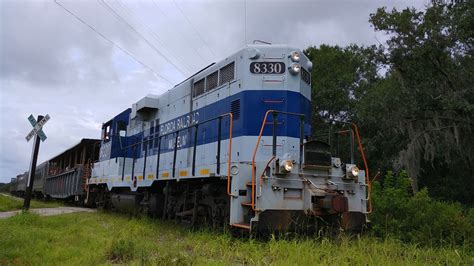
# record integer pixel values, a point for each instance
(427, 96)
(340, 78)
(412, 96)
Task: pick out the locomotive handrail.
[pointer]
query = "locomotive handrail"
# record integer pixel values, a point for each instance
(194, 151)
(362, 154)
(231, 119)
(265, 168)
(274, 112)
(173, 132)
(368, 182)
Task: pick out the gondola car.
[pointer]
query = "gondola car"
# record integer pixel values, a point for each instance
(63, 176)
(17, 186)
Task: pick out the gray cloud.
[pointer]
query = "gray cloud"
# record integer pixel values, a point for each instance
(51, 63)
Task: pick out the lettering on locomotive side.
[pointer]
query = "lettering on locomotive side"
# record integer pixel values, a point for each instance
(179, 123)
(181, 142)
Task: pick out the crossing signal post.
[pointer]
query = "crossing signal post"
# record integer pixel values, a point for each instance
(38, 134)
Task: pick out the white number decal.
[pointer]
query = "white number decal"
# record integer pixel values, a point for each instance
(267, 68)
(256, 68)
(278, 68)
(271, 68)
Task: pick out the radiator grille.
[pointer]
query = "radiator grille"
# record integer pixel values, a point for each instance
(211, 81)
(235, 109)
(226, 73)
(317, 153)
(198, 88)
(305, 76)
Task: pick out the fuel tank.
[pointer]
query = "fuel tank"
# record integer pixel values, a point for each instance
(128, 203)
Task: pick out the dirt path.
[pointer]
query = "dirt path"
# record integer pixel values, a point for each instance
(48, 211)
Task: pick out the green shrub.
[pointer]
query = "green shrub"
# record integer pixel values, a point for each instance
(416, 218)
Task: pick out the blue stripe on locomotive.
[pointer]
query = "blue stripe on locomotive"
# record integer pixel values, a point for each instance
(253, 105)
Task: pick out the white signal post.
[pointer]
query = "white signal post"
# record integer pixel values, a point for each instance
(38, 133)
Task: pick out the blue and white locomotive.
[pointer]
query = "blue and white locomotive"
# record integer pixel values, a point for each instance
(230, 146)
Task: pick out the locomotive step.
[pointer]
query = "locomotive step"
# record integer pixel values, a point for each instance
(249, 184)
(242, 225)
(247, 204)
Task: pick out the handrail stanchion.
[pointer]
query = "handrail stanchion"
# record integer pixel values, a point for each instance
(175, 152)
(158, 158)
(367, 180)
(219, 136)
(144, 158)
(351, 136)
(229, 158)
(124, 161)
(133, 160)
(194, 149)
(274, 134)
(301, 142)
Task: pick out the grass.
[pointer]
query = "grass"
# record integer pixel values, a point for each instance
(109, 238)
(9, 203)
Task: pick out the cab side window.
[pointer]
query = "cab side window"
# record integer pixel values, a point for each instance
(106, 133)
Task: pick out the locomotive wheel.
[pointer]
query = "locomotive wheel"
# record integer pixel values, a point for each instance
(101, 200)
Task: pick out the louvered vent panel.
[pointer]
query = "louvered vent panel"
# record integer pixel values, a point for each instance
(305, 76)
(235, 109)
(211, 81)
(226, 73)
(198, 88)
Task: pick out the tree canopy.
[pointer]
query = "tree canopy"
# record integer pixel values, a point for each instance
(412, 96)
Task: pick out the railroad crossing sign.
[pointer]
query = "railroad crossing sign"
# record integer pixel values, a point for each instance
(37, 133)
(37, 128)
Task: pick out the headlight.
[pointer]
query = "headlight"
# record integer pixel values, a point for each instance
(352, 171)
(355, 171)
(295, 56)
(295, 68)
(286, 166)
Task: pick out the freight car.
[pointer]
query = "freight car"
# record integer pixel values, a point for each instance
(231, 145)
(17, 187)
(63, 176)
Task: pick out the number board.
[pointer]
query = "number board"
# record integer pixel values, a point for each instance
(267, 67)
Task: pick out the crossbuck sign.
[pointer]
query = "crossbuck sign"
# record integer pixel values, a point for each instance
(37, 128)
(37, 133)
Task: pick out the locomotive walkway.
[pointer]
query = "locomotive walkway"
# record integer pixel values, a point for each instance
(48, 211)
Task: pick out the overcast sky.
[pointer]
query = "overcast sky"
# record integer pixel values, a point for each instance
(52, 63)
